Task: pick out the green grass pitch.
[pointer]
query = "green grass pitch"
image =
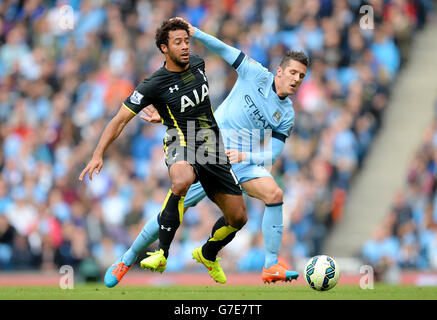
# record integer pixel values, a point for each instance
(98, 291)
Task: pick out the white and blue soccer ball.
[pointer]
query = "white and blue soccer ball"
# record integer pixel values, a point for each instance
(322, 273)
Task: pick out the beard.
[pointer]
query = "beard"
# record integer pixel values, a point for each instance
(177, 60)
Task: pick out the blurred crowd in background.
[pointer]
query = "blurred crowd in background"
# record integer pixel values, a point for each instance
(407, 238)
(66, 67)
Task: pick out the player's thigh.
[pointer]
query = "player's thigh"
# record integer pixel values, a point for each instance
(263, 188)
(233, 208)
(182, 175)
(222, 187)
(218, 178)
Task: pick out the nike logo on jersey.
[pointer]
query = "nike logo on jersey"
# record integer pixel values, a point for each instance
(260, 91)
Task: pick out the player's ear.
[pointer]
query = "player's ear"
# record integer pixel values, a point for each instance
(279, 71)
(164, 48)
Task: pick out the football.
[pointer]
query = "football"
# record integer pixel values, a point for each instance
(322, 273)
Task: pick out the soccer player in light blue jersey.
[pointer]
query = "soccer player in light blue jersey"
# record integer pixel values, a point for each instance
(257, 106)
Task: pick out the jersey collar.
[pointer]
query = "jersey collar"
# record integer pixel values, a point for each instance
(274, 89)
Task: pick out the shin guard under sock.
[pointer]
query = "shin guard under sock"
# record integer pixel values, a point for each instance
(171, 217)
(222, 233)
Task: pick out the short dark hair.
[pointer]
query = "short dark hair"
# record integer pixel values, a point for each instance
(161, 36)
(294, 55)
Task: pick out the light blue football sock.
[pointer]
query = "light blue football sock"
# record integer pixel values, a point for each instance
(272, 226)
(147, 236)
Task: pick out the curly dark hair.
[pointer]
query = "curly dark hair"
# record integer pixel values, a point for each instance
(294, 55)
(161, 36)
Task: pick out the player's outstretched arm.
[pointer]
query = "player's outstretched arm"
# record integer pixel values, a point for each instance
(228, 53)
(110, 133)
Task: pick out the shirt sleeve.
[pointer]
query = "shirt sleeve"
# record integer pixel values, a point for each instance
(140, 98)
(252, 70)
(230, 54)
(269, 157)
(246, 67)
(285, 128)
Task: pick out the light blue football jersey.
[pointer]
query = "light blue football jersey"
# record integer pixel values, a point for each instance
(253, 110)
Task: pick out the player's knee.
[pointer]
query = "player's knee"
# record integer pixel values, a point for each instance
(180, 186)
(239, 217)
(276, 196)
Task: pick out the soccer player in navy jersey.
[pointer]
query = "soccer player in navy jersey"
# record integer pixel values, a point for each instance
(257, 106)
(179, 92)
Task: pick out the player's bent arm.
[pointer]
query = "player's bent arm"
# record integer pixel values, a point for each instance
(113, 130)
(275, 147)
(110, 133)
(230, 54)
